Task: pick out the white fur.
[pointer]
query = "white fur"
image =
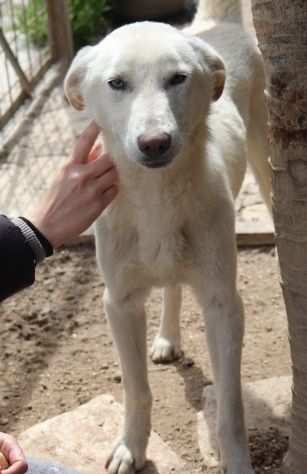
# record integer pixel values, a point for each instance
(211, 12)
(175, 224)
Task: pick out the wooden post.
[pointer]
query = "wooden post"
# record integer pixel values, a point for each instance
(25, 84)
(60, 33)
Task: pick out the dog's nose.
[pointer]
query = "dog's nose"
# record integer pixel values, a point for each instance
(154, 146)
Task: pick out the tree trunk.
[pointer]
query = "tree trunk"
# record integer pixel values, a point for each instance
(281, 27)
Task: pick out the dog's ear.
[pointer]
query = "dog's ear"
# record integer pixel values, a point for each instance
(212, 61)
(74, 77)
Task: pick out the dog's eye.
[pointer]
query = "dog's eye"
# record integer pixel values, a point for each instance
(176, 79)
(118, 84)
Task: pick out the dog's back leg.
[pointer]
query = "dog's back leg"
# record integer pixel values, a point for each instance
(258, 154)
(257, 136)
(167, 343)
(221, 10)
(210, 12)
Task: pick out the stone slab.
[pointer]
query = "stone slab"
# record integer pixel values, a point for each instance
(83, 438)
(267, 404)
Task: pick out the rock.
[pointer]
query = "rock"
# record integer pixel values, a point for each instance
(267, 405)
(83, 438)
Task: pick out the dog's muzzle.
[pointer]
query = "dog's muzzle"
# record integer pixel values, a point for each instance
(155, 148)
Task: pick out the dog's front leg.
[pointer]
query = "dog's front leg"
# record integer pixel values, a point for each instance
(223, 312)
(128, 324)
(224, 335)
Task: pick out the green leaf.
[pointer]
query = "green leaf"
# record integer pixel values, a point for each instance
(88, 20)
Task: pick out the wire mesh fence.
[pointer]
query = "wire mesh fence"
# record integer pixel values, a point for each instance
(46, 142)
(25, 52)
(36, 131)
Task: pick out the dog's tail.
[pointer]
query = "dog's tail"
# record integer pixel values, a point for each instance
(210, 12)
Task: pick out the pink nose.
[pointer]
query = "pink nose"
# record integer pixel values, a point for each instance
(154, 145)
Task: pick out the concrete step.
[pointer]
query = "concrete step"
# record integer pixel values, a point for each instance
(83, 438)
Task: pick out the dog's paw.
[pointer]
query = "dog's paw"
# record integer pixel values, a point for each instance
(164, 351)
(123, 461)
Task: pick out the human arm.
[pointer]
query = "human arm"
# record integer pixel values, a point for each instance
(81, 191)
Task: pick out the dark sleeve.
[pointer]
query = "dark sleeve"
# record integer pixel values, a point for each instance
(17, 261)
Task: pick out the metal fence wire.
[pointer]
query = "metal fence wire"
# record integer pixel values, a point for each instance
(25, 52)
(36, 129)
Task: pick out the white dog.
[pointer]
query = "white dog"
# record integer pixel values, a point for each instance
(179, 135)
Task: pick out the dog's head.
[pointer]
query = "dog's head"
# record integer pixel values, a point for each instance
(148, 86)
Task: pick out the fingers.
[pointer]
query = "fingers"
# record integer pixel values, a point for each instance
(19, 467)
(94, 153)
(100, 165)
(106, 181)
(14, 455)
(108, 196)
(106, 188)
(84, 143)
(10, 448)
(85, 152)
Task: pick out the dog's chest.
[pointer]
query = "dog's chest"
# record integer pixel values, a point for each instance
(156, 238)
(163, 249)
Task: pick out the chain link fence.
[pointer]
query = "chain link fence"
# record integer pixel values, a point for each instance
(36, 128)
(25, 53)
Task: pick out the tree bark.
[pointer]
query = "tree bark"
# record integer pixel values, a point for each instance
(281, 27)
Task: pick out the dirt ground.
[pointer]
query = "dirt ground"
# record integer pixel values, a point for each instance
(56, 352)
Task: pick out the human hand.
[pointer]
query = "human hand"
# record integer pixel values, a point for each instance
(14, 455)
(84, 187)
